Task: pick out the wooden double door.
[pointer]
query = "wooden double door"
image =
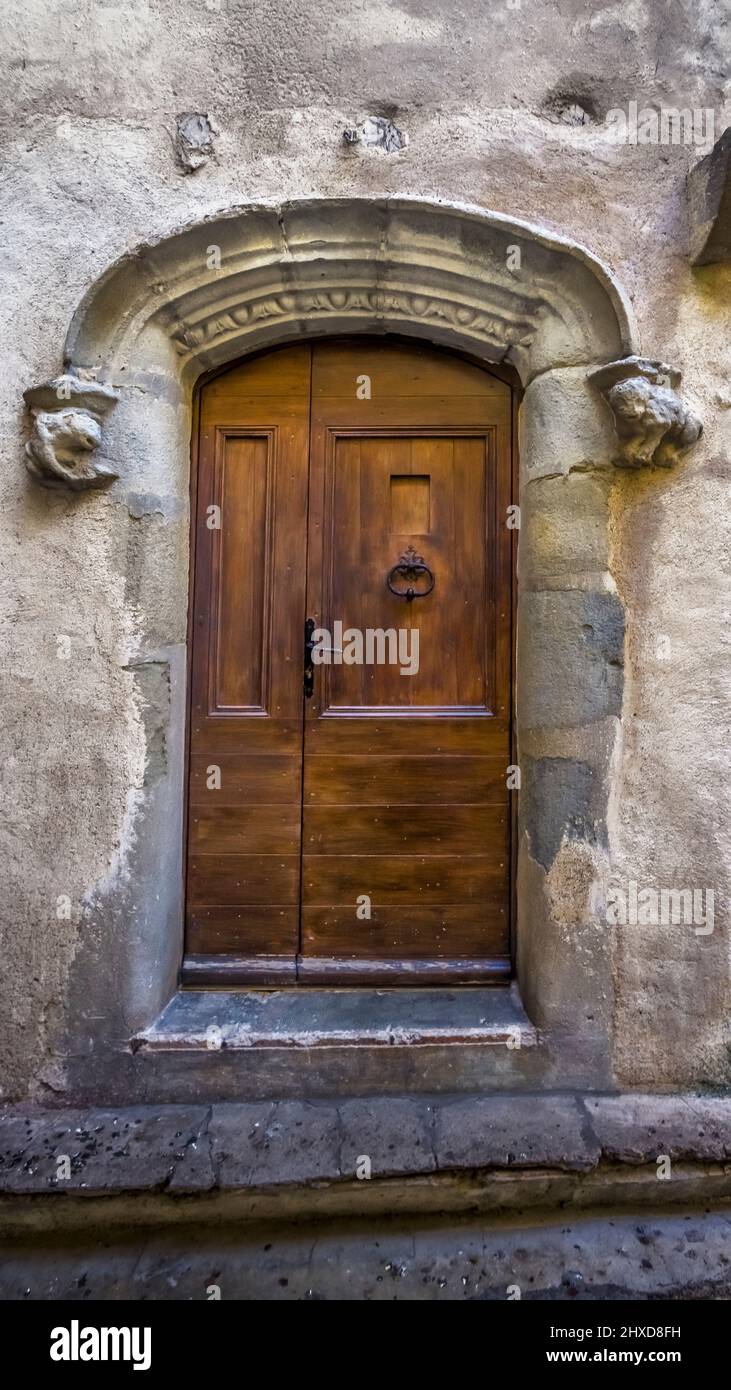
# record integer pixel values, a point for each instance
(348, 812)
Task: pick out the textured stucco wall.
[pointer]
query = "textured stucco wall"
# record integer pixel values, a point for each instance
(89, 99)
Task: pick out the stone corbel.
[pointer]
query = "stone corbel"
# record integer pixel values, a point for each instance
(67, 418)
(653, 424)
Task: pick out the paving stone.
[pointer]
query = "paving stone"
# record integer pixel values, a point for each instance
(115, 1150)
(263, 1144)
(568, 1259)
(180, 1149)
(513, 1131)
(392, 1132)
(638, 1128)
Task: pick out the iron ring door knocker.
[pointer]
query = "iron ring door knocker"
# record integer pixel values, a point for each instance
(410, 567)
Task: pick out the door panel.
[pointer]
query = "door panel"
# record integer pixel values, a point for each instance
(405, 811)
(383, 785)
(245, 778)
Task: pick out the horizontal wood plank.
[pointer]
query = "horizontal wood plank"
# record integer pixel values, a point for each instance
(399, 879)
(269, 779)
(252, 930)
(423, 933)
(403, 780)
(407, 829)
(398, 370)
(244, 829)
(243, 878)
(410, 733)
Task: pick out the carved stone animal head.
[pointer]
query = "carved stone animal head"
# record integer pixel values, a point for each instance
(61, 447)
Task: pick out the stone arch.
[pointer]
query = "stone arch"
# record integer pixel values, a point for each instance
(270, 274)
(504, 292)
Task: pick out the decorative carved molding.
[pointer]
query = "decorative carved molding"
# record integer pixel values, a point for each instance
(653, 423)
(67, 416)
(347, 303)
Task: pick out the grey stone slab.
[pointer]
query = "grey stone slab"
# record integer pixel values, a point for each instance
(313, 1018)
(513, 1131)
(261, 1145)
(392, 1133)
(189, 1075)
(269, 1144)
(639, 1128)
(564, 532)
(570, 1257)
(560, 426)
(133, 1149)
(562, 796)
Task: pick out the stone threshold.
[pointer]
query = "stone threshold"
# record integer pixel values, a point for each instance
(270, 1146)
(326, 1018)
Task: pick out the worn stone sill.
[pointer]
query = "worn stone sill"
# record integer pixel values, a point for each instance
(322, 1018)
(451, 1152)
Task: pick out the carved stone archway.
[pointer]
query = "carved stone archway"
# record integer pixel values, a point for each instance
(504, 292)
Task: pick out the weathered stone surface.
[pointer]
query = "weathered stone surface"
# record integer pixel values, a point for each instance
(377, 132)
(600, 1256)
(67, 414)
(323, 1018)
(278, 1144)
(393, 1133)
(194, 135)
(153, 678)
(564, 532)
(135, 1149)
(522, 1131)
(561, 428)
(653, 424)
(570, 657)
(282, 1142)
(639, 1129)
(563, 797)
(709, 200)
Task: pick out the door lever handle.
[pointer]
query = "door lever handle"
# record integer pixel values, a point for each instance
(309, 672)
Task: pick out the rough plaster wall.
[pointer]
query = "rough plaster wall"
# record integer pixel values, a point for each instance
(89, 99)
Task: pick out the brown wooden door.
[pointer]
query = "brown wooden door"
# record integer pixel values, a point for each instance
(245, 781)
(360, 834)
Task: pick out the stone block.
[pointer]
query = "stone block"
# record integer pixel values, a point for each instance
(709, 200)
(261, 1144)
(562, 427)
(570, 658)
(134, 1149)
(391, 1131)
(513, 1131)
(564, 540)
(637, 1129)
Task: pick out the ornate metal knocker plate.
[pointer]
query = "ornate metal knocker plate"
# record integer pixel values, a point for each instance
(410, 568)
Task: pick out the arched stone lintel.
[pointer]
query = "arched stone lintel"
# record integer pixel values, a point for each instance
(453, 274)
(544, 300)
